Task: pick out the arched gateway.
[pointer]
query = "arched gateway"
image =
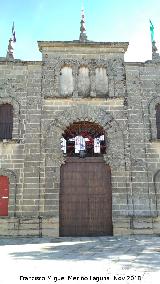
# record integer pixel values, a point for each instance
(85, 182)
(83, 178)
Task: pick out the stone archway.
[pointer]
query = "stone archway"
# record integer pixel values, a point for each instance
(54, 158)
(85, 182)
(54, 131)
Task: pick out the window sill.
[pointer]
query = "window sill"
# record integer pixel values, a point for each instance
(155, 141)
(9, 141)
(10, 216)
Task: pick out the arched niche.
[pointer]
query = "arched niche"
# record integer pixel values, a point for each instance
(101, 82)
(83, 82)
(154, 102)
(66, 81)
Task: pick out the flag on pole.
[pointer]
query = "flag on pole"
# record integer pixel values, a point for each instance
(13, 33)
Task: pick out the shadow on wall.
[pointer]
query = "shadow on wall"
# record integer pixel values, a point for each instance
(138, 252)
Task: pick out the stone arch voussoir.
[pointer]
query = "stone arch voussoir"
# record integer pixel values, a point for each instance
(114, 134)
(12, 101)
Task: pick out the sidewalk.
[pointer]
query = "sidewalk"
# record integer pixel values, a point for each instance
(131, 259)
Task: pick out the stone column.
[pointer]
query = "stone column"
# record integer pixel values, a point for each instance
(92, 73)
(75, 80)
(56, 81)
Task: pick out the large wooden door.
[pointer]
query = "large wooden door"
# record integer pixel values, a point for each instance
(4, 194)
(85, 198)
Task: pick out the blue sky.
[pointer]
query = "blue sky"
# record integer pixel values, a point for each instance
(106, 20)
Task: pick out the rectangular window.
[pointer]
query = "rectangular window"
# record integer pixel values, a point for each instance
(6, 121)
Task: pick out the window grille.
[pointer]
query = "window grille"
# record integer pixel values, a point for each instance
(83, 139)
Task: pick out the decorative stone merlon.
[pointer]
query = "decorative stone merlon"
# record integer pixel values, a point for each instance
(155, 54)
(9, 55)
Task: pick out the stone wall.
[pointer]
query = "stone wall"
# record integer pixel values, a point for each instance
(143, 94)
(20, 85)
(101, 88)
(58, 57)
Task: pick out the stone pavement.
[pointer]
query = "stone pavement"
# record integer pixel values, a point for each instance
(127, 259)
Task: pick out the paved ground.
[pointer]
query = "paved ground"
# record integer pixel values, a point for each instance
(133, 259)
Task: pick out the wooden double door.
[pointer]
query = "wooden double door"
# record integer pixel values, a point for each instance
(85, 198)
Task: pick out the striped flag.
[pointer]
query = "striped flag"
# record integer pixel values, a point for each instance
(13, 33)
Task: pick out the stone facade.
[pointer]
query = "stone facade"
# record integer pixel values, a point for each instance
(80, 82)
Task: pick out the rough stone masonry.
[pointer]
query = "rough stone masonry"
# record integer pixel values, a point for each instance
(78, 81)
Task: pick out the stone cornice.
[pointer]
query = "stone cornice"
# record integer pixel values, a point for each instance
(83, 48)
(20, 63)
